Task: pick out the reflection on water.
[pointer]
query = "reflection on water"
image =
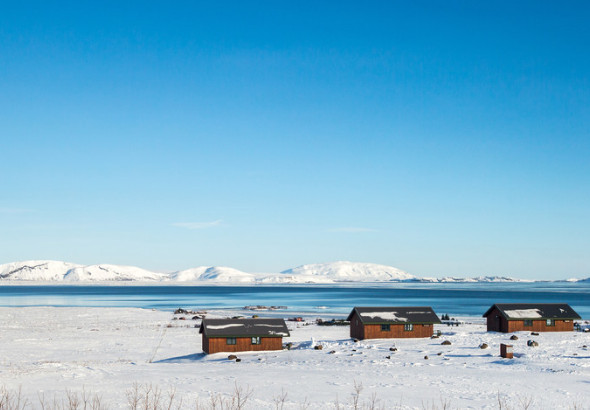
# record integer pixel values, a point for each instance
(470, 299)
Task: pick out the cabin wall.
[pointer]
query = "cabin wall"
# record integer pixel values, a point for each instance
(372, 331)
(356, 328)
(496, 322)
(243, 344)
(541, 326)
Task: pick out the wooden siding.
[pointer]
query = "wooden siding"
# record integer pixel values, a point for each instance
(496, 322)
(397, 331)
(243, 344)
(358, 330)
(541, 326)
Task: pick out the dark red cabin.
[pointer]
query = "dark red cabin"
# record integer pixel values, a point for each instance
(535, 317)
(392, 322)
(240, 335)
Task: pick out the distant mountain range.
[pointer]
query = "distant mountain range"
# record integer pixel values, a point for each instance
(322, 273)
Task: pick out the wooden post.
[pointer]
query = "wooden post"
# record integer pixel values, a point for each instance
(506, 351)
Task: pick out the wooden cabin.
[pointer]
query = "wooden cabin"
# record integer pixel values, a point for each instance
(391, 322)
(240, 335)
(534, 317)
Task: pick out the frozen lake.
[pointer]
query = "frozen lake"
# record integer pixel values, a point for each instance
(461, 299)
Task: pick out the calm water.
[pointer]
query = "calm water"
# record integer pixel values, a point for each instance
(455, 299)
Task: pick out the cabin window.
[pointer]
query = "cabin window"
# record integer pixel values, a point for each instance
(408, 327)
(528, 322)
(230, 340)
(385, 328)
(255, 340)
(550, 322)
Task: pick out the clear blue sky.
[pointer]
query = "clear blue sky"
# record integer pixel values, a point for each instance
(443, 138)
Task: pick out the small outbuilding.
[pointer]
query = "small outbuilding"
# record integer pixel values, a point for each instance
(239, 335)
(392, 322)
(536, 317)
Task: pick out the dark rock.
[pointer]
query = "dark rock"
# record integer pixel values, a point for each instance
(318, 347)
(534, 334)
(180, 311)
(355, 340)
(388, 357)
(425, 357)
(393, 349)
(232, 357)
(446, 342)
(532, 343)
(513, 337)
(354, 350)
(439, 353)
(238, 360)
(333, 351)
(483, 346)
(434, 337)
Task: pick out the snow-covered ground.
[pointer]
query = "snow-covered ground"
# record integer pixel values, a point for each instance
(106, 351)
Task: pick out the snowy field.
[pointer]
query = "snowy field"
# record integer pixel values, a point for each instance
(55, 353)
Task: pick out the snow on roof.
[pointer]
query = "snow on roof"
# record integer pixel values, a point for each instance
(523, 313)
(515, 311)
(223, 326)
(405, 314)
(392, 316)
(243, 327)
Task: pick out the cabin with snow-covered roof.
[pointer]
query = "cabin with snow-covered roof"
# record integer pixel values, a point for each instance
(240, 335)
(392, 322)
(535, 317)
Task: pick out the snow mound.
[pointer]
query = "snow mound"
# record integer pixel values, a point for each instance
(99, 273)
(215, 274)
(36, 270)
(350, 272)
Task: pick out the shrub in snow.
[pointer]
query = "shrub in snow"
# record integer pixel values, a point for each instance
(532, 343)
(232, 357)
(483, 346)
(513, 337)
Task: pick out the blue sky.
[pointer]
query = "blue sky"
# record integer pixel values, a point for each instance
(441, 138)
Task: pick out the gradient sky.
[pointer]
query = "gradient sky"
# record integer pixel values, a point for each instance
(442, 138)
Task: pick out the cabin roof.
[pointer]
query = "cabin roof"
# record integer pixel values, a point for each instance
(244, 328)
(405, 314)
(519, 311)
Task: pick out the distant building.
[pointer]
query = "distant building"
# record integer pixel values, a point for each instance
(536, 317)
(239, 335)
(391, 322)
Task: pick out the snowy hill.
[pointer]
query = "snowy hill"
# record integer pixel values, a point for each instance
(55, 271)
(215, 274)
(36, 270)
(349, 272)
(320, 273)
(100, 273)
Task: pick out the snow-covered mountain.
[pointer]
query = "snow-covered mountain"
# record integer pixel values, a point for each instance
(215, 274)
(102, 273)
(36, 270)
(349, 272)
(320, 273)
(56, 271)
